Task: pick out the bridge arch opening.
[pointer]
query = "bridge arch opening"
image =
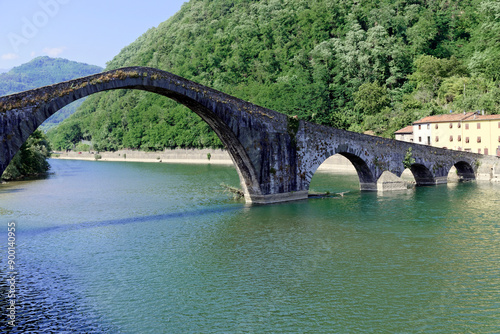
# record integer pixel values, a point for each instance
(422, 175)
(367, 180)
(461, 171)
(354, 171)
(53, 98)
(407, 176)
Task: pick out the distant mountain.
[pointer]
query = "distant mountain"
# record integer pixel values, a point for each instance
(3, 70)
(43, 71)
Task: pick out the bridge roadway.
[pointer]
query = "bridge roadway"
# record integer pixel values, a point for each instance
(275, 155)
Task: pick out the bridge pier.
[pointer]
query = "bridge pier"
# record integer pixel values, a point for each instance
(441, 180)
(368, 186)
(390, 182)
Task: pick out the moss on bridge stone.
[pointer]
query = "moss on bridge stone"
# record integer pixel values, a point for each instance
(293, 124)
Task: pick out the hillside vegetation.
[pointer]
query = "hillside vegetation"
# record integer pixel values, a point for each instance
(363, 66)
(31, 160)
(43, 71)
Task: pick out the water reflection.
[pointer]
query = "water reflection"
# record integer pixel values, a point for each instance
(134, 220)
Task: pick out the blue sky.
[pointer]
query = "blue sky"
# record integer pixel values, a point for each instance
(89, 31)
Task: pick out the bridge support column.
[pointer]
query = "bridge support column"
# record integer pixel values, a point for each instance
(277, 198)
(368, 186)
(390, 182)
(488, 170)
(442, 180)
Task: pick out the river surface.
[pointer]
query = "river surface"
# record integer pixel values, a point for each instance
(115, 247)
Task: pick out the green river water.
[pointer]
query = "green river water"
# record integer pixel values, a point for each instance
(109, 247)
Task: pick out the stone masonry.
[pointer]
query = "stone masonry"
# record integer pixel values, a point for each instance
(275, 155)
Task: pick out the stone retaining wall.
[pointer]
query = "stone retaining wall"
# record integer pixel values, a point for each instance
(335, 164)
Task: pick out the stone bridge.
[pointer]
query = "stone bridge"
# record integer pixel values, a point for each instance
(275, 155)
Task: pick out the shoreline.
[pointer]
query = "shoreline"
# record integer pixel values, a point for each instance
(334, 164)
(190, 156)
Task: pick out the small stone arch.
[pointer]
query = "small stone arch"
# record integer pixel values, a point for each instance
(367, 180)
(465, 171)
(422, 175)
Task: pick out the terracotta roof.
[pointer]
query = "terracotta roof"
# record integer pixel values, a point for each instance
(482, 117)
(444, 118)
(408, 129)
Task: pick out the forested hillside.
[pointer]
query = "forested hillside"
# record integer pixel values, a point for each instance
(43, 71)
(358, 65)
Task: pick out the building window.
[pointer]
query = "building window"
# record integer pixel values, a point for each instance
(479, 125)
(451, 125)
(459, 138)
(486, 151)
(479, 139)
(451, 138)
(479, 150)
(467, 126)
(420, 126)
(499, 139)
(437, 139)
(437, 126)
(459, 125)
(499, 125)
(466, 139)
(419, 139)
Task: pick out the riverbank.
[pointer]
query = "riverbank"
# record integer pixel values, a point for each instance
(335, 164)
(190, 156)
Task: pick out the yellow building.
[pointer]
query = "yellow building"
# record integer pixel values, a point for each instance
(481, 134)
(470, 132)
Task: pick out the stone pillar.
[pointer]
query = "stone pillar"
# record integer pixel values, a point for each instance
(390, 182)
(441, 179)
(368, 186)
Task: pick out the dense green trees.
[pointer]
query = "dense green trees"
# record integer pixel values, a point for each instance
(363, 66)
(486, 58)
(31, 160)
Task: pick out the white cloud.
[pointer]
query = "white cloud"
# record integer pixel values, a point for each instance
(33, 54)
(10, 56)
(54, 52)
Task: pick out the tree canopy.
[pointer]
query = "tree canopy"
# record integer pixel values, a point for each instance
(363, 66)
(31, 160)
